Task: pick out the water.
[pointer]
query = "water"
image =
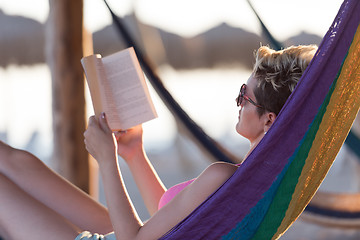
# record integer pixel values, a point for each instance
(25, 107)
(207, 95)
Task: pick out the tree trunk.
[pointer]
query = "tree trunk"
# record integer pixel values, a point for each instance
(64, 49)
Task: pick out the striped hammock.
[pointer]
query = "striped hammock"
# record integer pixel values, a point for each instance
(276, 182)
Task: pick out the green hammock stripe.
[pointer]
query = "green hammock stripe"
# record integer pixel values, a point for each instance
(283, 196)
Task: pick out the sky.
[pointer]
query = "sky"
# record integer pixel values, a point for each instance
(284, 18)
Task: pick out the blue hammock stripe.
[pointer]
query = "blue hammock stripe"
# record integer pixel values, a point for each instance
(278, 179)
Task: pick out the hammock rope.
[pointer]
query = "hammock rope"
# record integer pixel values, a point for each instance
(344, 211)
(353, 142)
(211, 146)
(325, 213)
(274, 185)
(275, 44)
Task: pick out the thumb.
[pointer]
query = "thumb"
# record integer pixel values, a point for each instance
(103, 123)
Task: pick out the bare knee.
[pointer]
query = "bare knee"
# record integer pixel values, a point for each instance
(15, 160)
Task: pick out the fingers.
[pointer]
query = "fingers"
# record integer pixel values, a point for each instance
(119, 134)
(98, 136)
(92, 130)
(92, 120)
(99, 123)
(103, 123)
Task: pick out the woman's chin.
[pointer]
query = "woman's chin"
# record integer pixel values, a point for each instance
(238, 129)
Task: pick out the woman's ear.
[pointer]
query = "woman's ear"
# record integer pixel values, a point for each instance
(269, 120)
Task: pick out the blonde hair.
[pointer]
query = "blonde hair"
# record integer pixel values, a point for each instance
(278, 72)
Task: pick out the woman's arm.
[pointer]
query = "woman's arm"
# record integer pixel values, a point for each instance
(187, 200)
(130, 148)
(100, 143)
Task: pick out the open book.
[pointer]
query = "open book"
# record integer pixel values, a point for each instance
(118, 88)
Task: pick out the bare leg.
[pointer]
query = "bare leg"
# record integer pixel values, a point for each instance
(37, 180)
(23, 217)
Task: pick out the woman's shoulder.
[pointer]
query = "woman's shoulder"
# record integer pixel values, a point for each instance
(213, 177)
(220, 170)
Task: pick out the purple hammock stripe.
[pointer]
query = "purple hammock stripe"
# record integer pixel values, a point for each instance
(234, 200)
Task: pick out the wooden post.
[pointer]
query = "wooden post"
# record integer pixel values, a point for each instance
(64, 39)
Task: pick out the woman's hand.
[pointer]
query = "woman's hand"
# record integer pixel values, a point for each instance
(99, 140)
(130, 142)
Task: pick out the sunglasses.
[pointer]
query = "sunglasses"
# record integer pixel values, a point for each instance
(242, 96)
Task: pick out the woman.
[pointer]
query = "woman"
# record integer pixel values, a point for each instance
(36, 202)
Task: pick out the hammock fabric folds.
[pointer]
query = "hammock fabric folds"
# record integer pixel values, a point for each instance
(276, 182)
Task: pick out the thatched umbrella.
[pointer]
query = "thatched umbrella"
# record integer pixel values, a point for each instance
(21, 40)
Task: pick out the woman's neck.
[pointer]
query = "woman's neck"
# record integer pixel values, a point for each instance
(253, 145)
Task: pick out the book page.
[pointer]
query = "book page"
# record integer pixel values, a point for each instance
(93, 70)
(132, 104)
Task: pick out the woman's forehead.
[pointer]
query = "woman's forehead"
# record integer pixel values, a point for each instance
(251, 84)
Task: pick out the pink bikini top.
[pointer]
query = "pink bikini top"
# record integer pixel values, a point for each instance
(172, 192)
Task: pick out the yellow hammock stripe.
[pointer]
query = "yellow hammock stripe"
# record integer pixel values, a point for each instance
(336, 123)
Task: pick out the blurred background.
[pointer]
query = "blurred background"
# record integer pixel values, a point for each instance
(202, 50)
